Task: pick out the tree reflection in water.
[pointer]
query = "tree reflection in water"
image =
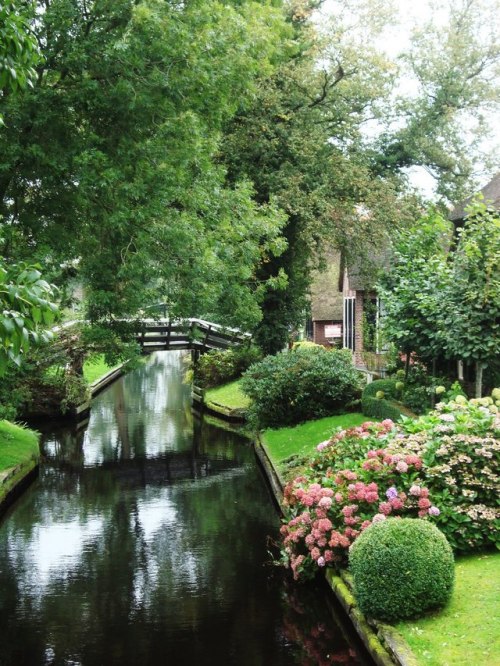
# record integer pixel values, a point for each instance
(144, 541)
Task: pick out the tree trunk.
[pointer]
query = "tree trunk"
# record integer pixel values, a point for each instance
(460, 371)
(479, 379)
(407, 365)
(433, 395)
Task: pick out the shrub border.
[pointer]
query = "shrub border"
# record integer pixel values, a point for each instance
(382, 408)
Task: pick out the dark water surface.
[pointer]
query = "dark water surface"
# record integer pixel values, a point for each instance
(145, 541)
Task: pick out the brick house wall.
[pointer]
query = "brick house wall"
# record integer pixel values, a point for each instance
(319, 331)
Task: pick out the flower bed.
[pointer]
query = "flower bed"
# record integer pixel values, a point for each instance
(442, 467)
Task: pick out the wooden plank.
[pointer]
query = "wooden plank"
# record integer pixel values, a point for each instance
(164, 339)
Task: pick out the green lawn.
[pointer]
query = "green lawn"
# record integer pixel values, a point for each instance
(467, 631)
(229, 395)
(95, 368)
(303, 439)
(17, 445)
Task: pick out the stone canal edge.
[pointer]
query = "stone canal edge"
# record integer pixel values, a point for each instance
(382, 641)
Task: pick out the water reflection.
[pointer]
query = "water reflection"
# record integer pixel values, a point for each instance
(144, 541)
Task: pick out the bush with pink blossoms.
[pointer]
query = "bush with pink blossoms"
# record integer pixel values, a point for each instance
(442, 467)
(324, 518)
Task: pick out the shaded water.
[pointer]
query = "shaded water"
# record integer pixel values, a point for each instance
(145, 541)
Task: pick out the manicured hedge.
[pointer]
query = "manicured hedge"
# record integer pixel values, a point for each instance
(384, 406)
(401, 568)
(388, 386)
(379, 408)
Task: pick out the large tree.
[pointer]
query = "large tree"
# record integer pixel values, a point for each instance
(109, 160)
(26, 299)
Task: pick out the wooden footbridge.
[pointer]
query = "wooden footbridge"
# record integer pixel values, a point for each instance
(195, 334)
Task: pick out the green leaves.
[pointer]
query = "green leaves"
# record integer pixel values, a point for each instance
(25, 305)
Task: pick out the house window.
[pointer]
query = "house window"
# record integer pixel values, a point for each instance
(349, 322)
(382, 345)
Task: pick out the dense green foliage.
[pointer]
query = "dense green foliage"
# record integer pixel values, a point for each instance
(218, 367)
(197, 154)
(401, 568)
(387, 386)
(109, 169)
(26, 309)
(299, 385)
(380, 408)
(19, 50)
(472, 299)
(385, 406)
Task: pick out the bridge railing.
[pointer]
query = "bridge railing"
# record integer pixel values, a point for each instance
(193, 333)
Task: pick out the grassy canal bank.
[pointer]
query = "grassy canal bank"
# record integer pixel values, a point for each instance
(19, 454)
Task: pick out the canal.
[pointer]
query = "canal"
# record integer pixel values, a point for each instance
(146, 540)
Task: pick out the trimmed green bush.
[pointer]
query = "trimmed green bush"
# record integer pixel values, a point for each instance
(299, 385)
(382, 409)
(388, 386)
(401, 568)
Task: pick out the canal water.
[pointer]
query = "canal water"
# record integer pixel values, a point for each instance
(146, 540)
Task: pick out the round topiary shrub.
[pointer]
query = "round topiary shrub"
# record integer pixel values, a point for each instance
(401, 568)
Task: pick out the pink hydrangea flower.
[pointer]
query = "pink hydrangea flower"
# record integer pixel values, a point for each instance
(415, 491)
(325, 502)
(324, 525)
(423, 503)
(321, 562)
(434, 511)
(385, 508)
(378, 517)
(402, 467)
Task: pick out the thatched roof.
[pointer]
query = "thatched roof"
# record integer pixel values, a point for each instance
(491, 195)
(326, 300)
(363, 271)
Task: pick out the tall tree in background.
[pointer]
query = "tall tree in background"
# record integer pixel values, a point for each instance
(472, 301)
(329, 137)
(445, 122)
(302, 146)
